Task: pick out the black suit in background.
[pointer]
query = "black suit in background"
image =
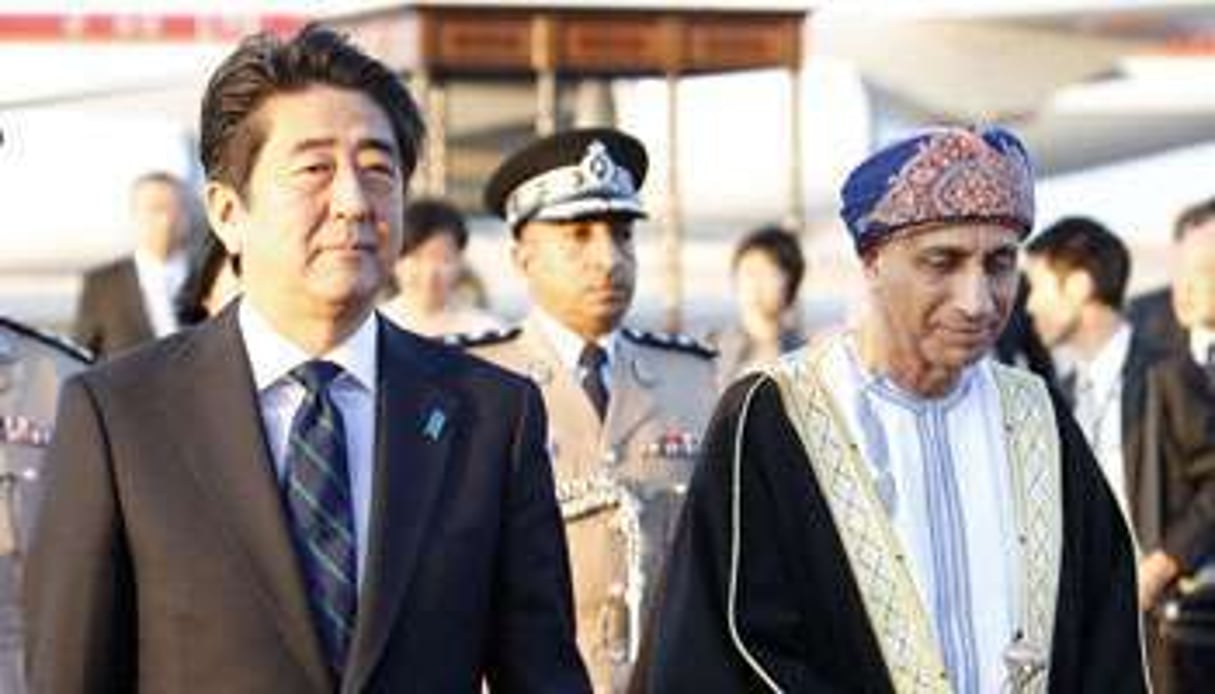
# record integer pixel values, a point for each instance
(1168, 445)
(1168, 448)
(163, 561)
(110, 316)
(1152, 316)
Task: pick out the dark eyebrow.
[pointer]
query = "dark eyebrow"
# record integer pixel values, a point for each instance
(951, 251)
(379, 145)
(1004, 249)
(311, 144)
(372, 143)
(956, 251)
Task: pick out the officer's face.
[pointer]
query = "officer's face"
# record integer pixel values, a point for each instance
(944, 294)
(582, 272)
(320, 224)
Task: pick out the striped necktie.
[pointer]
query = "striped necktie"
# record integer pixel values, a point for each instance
(317, 494)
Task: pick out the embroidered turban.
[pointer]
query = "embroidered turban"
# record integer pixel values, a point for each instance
(938, 177)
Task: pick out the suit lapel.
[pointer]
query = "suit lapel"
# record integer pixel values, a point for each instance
(229, 458)
(1143, 432)
(1135, 432)
(1133, 391)
(416, 419)
(138, 311)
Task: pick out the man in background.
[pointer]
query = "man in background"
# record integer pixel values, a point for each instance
(1194, 289)
(1181, 315)
(626, 407)
(1147, 411)
(130, 300)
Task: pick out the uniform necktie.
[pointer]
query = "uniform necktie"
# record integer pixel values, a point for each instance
(317, 493)
(591, 362)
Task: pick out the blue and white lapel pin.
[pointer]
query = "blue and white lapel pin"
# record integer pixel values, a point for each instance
(435, 421)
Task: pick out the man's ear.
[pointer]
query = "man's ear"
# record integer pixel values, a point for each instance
(224, 209)
(521, 254)
(1079, 286)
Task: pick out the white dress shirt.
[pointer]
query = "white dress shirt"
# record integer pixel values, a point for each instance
(889, 426)
(1098, 409)
(1201, 341)
(568, 345)
(272, 357)
(159, 282)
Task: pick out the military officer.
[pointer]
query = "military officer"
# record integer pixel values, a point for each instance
(625, 407)
(32, 365)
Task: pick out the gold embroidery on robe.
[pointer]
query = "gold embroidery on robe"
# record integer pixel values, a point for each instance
(878, 561)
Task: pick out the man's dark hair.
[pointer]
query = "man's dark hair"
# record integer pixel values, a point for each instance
(1084, 244)
(263, 66)
(426, 218)
(783, 249)
(1195, 215)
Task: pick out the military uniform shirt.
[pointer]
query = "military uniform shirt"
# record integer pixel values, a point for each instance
(620, 481)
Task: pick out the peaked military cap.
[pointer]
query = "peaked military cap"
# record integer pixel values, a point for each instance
(570, 175)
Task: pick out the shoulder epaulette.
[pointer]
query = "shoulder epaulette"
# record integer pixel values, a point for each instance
(673, 341)
(56, 342)
(482, 339)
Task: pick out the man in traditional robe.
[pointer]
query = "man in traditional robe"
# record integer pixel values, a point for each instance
(888, 509)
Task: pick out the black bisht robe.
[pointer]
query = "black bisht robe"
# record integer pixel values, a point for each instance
(800, 612)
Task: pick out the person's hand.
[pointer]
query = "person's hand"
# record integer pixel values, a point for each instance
(1156, 572)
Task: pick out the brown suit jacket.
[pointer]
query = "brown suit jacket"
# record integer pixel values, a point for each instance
(110, 316)
(163, 563)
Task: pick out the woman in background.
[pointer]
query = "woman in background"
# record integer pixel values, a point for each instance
(212, 280)
(427, 272)
(768, 268)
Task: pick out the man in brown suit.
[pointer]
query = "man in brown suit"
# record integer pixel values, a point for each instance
(626, 407)
(130, 300)
(296, 496)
